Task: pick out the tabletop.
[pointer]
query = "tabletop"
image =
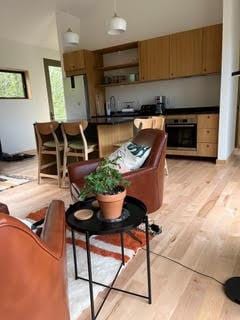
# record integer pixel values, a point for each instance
(136, 213)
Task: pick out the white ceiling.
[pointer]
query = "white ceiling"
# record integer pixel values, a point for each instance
(33, 21)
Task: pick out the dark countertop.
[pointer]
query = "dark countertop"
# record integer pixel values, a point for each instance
(109, 120)
(169, 111)
(193, 110)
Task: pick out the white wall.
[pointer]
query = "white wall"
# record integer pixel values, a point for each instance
(17, 116)
(186, 92)
(229, 84)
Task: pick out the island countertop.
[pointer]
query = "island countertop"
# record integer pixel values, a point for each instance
(110, 120)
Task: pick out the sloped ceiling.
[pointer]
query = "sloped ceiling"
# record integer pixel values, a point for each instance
(33, 22)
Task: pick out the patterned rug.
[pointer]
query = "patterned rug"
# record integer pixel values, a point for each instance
(106, 258)
(7, 182)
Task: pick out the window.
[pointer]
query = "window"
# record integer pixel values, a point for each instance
(13, 85)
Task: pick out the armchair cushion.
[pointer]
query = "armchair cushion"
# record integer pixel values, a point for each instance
(131, 156)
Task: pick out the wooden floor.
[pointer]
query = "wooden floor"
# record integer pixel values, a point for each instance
(201, 229)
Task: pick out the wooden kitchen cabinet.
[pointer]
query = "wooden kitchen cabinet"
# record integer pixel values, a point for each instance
(74, 61)
(207, 150)
(186, 53)
(212, 49)
(154, 59)
(207, 135)
(208, 121)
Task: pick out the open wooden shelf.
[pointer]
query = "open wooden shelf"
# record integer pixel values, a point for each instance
(124, 83)
(121, 47)
(119, 66)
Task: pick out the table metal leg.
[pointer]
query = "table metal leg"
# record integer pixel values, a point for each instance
(74, 254)
(90, 275)
(148, 262)
(122, 247)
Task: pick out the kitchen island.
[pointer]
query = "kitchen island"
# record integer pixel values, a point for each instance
(111, 131)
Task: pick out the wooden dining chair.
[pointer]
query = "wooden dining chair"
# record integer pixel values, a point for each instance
(75, 143)
(158, 122)
(138, 124)
(49, 148)
(143, 123)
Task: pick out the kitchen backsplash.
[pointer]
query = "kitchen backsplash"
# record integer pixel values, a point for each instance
(185, 92)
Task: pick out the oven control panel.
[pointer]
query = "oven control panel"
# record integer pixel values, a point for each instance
(181, 121)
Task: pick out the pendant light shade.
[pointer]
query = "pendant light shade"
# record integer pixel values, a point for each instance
(71, 38)
(117, 24)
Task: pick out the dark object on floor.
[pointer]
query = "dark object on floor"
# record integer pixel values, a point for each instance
(155, 229)
(15, 157)
(232, 289)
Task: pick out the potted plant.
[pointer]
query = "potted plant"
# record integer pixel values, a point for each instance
(107, 183)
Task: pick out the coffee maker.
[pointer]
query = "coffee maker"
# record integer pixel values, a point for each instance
(160, 104)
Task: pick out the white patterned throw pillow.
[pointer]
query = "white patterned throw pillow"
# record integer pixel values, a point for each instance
(131, 156)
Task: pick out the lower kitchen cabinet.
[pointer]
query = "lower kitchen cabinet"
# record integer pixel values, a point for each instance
(207, 150)
(203, 126)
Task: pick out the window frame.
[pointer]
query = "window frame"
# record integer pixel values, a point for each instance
(25, 83)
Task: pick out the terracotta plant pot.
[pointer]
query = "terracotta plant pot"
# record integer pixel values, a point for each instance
(111, 205)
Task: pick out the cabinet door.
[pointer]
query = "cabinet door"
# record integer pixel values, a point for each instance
(154, 59)
(208, 121)
(186, 53)
(74, 60)
(212, 49)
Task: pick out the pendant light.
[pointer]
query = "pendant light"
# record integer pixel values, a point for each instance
(71, 38)
(117, 24)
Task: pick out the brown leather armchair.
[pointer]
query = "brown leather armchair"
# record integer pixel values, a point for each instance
(146, 182)
(32, 269)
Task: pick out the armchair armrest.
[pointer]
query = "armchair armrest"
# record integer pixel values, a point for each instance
(53, 233)
(4, 208)
(77, 171)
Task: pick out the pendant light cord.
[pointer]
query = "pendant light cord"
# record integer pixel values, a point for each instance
(115, 7)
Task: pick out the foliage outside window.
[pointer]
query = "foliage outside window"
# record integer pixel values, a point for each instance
(57, 90)
(13, 85)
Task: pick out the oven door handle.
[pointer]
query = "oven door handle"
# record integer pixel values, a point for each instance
(181, 125)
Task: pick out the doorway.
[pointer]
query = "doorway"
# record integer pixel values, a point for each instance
(55, 89)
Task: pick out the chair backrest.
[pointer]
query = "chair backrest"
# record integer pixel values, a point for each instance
(158, 122)
(141, 124)
(45, 131)
(155, 139)
(72, 128)
(46, 128)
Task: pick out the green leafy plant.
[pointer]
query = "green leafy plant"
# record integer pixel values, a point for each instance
(105, 180)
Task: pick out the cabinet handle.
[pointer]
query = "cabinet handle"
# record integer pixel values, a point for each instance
(208, 117)
(207, 145)
(208, 131)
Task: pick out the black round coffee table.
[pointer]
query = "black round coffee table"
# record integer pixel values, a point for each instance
(137, 214)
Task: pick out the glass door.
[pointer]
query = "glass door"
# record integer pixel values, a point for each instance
(55, 89)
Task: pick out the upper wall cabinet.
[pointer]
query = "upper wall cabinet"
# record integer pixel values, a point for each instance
(212, 49)
(154, 59)
(74, 61)
(186, 53)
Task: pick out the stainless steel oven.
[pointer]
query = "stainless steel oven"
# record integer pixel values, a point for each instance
(182, 133)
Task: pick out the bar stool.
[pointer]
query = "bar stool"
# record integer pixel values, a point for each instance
(138, 124)
(48, 144)
(75, 143)
(159, 123)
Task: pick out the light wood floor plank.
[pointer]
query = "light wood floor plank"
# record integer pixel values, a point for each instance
(200, 217)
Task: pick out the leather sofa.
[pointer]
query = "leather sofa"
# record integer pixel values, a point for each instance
(32, 269)
(147, 182)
